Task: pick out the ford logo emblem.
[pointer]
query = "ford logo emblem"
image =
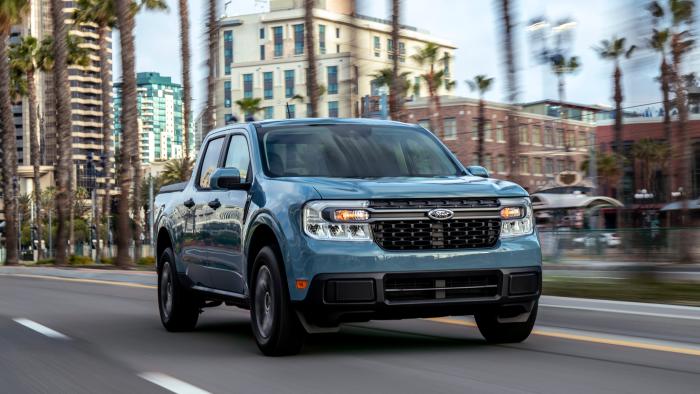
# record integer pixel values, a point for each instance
(440, 214)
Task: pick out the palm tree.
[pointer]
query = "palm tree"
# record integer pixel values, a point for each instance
(659, 42)
(186, 84)
(511, 87)
(177, 170)
(25, 60)
(210, 110)
(395, 96)
(613, 50)
(249, 106)
(129, 144)
(561, 66)
(385, 77)
(103, 14)
(11, 12)
(652, 157)
(481, 84)
(312, 81)
(608, 168)
(435, 78)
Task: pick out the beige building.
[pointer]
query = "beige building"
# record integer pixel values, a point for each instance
(264, 56)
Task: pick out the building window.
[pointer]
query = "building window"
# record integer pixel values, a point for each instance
(559, 137)
(262, 52)
(322, 39)
(248, 85)
(269, 112)
(377, 46)
(558, 166)
(228, 118)
(402, 52)
(262, 33)
(537, 135)
(332, 79)
(475, 128)
(446, 65)
(227, 94)
(523, 133)
(524, 165)
(424, 123)
(487, 161)
(277, 39)
(537, 166)
(288, 83)
(267, 85)
(337, 32)
(390, 48)
(450, 128)
(332, 109)
(291, 111)
(298, 39)
(487, 131)
(548, 136)
(500, 137)
(308, 110)
(228, 51)
(501, 164)
(548, 166)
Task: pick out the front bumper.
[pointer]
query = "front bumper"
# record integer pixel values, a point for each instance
(354, 297)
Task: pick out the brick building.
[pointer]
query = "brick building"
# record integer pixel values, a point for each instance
(547, 145)
(636, 176)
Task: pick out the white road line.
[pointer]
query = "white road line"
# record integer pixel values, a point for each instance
(623, 303)
(171, 384)
(41, 329)
(621, 311)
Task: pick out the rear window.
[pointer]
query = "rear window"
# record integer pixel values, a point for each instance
(353, 151)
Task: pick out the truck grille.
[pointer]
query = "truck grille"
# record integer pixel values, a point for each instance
(434, 234)
(433, 203)
(400, 287)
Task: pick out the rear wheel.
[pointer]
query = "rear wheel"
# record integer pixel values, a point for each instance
(179, 308)
(275, 324)
(495, 331)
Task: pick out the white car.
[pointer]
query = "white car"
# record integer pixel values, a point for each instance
(610, 240)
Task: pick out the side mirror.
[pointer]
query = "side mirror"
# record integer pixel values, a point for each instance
(478, 171)
(226, 179)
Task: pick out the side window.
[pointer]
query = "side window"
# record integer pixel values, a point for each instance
(238, 155)
(209, 162)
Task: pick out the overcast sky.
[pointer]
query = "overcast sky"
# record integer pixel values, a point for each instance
(473, 26)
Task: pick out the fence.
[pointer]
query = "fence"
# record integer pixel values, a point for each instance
(629, 244)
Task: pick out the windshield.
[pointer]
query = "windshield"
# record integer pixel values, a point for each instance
(353, 151)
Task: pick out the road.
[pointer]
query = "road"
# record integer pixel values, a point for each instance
(96, 335)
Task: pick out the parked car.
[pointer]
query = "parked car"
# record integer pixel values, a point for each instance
(315, 223)
(607, 239)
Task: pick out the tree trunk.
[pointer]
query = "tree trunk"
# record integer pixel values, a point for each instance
(213, 44)
(9, 156)
(64, 159)
(107, 151)
(685, 166)
(512, 89)
(480, 131)
(619, 151)
(34, 147)
(129, 129)
(665, 89)
(395, 91)
(186, 85)
(312, 82)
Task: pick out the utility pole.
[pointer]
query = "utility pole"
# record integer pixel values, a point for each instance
(150, 210)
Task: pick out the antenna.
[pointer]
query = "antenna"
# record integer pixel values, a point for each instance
(289, 112)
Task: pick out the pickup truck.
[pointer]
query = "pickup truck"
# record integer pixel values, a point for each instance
(311, 223)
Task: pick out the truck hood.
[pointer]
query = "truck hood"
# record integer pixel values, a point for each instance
(385, 188)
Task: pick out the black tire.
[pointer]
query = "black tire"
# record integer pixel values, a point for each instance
(275, 324)
(496, 332)
(179, 308)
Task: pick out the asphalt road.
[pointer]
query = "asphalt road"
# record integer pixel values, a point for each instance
(61, 336)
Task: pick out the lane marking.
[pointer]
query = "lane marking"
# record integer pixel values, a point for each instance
(41, 329)
(82, 280)
(583, 336)
(623, 303)
(621, 311)
(171, 384)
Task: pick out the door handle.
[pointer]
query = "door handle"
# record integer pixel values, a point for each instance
(215, 203)
(189, 203)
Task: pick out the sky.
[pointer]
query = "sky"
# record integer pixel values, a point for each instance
(473, 26)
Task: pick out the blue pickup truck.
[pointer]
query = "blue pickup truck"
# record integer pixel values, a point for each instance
(312, 223)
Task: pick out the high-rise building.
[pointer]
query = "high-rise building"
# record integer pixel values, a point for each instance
(160, 112)
(263, 56)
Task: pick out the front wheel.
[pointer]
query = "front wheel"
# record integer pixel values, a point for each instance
(495, 331)
(275, 324)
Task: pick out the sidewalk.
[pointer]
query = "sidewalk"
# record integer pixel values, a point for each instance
(138, 277)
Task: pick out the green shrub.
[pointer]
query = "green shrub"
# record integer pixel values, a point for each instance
(147, 260)
(46, 262)
(107, 260)
(79, 260)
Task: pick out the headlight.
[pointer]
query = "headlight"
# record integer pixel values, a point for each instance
(337, 220)
(517, 217)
